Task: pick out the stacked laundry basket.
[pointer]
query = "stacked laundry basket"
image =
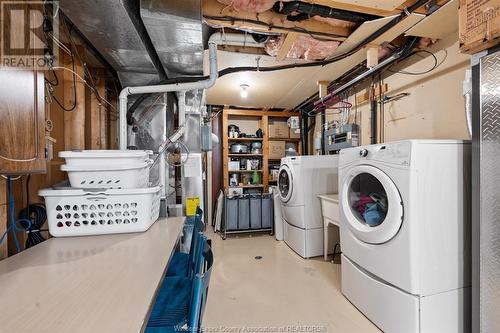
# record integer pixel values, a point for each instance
(109, 193)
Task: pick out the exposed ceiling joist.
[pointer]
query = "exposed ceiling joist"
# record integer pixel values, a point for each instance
(353, 8)
(290, 38)
(218, 14)
(242, 49)
(371, 10)
(423, 9)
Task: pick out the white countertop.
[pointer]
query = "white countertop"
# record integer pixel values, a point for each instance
(334, 197)
(86, 284)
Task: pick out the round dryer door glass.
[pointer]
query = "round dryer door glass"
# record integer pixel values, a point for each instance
(371, 204)
(368, 199)
(284, 183)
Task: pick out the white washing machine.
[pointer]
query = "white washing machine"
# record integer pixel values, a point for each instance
(301, 179)
(405, 220)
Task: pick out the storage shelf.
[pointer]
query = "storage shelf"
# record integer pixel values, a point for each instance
(255, 119)
(285, 139)
(244, 139)
(248, 186)
(245, 155)
(245, 231)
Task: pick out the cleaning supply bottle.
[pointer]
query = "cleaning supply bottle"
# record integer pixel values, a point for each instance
(255, 178)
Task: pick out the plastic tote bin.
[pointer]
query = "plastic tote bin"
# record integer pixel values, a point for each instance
(78, 212)
(124, 176)
(107, 158)
(255, 212)
(267, 211)
(243, 213)
(231, 215)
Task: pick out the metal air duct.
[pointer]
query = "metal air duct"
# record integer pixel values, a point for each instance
(111, 28)
(176, 30)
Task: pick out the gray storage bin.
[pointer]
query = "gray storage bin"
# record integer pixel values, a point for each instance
(243, 213)
(255, 212)
(231, 215)
(267, 211)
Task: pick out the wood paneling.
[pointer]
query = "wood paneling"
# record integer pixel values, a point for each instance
(96, 114)
(3, 227)
(74, 121)
(3, 191)
(22, 119)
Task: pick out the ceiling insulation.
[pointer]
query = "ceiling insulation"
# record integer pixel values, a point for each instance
(304, 47)
(251, 6)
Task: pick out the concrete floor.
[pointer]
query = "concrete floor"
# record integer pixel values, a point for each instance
(279, 290)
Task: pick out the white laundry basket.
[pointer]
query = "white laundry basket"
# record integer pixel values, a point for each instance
(124, 176)
(78, 212)
(96, 158)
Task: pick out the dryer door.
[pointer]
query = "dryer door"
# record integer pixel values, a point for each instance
(371, 204)
(285, 183)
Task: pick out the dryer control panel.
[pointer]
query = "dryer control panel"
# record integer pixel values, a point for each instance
(394, 153)
(398, 153)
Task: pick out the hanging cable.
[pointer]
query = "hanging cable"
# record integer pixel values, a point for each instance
(13, 228)
(434, 66)
(32, 219)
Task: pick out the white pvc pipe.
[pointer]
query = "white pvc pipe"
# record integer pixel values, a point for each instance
(234, 39)
(163, 88)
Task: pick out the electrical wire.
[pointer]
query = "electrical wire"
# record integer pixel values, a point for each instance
(13, 228)
(73, 107)
(36, 215)
(434, 66)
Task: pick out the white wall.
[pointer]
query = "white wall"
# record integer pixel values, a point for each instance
(435, 107)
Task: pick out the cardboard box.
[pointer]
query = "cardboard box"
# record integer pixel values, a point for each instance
(478, 25)
(294, 133)
(276, 149)
(278, 129)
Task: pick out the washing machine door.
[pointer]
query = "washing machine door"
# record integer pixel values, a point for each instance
(372, 205)
(285, 183)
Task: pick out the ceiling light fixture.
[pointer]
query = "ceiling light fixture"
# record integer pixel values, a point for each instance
(244, 90)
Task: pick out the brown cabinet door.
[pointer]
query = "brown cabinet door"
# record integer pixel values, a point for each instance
(22, 118)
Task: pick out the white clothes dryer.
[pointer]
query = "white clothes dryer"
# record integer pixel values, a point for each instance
(405, 219)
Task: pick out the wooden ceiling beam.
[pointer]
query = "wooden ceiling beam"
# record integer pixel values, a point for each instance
(242, 49)
(370, 10)
(421, 10)
(353, 8)
(290, 38)
(218, 14)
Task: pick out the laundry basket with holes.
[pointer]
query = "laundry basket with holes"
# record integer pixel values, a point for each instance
(79, 212)
(124, 176)
(96, 158)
